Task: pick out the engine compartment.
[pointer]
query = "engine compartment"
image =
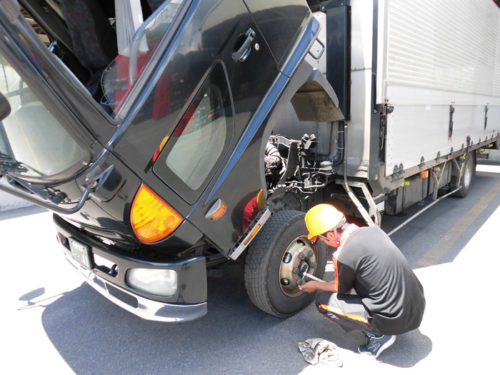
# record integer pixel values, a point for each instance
(296, 170)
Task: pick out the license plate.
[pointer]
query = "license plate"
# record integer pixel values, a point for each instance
(80, 253)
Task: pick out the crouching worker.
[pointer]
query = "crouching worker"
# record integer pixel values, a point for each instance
(389, 299)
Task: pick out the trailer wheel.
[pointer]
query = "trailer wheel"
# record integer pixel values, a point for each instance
(275, 257)
(467, 178)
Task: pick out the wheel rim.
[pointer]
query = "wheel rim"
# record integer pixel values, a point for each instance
(467, 174)
(299, 257)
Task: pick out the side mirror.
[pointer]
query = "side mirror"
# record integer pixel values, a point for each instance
(4, 107)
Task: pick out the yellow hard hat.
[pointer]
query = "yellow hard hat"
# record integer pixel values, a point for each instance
(322, 218)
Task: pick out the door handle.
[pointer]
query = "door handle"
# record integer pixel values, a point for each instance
(244, 50)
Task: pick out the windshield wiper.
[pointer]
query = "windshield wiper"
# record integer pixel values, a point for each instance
(8, 164)
(42, 192)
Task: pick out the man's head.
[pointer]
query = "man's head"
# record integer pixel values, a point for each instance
(325, 222)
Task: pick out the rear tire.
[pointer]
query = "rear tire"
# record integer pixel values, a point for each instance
(467, 178)
(279, 248)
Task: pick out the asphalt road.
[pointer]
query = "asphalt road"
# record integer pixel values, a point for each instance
(51, 321)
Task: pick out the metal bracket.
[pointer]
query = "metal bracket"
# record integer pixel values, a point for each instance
(450, 124)
(437, 180)
(485, 116)
(461, 168)
(373, 211)
(385, 110)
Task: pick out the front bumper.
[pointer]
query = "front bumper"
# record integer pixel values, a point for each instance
(187, 304)
(137, 305)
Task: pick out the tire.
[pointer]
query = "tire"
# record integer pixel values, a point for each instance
(273, 255)
(467, 178)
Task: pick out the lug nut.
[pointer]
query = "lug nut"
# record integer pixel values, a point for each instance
(310, 254)
(296, 270)
(287, 258)
(312, 264)
(285, 281)
(302, 256)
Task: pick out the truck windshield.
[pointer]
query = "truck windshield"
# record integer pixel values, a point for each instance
(32, 141)
(122, 73)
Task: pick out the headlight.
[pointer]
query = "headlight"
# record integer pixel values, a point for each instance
(153, 281)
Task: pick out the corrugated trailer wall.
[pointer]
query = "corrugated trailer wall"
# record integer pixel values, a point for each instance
(435, 57)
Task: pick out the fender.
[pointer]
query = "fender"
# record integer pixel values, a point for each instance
(311, 96)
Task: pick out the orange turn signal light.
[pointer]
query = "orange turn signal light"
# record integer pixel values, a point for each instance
(254, 232)
(221, 211)
(152, 218)
(424, 174)
(217, 210)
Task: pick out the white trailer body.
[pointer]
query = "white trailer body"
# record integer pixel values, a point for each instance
(436, 66)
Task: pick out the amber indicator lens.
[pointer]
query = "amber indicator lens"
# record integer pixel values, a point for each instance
(152, 218)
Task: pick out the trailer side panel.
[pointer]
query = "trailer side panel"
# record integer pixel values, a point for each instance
(438, 65)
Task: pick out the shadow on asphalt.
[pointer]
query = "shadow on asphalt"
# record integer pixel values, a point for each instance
(95, 336)
(462, 216)
(408, 350)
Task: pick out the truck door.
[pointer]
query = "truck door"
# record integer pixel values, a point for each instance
(251, 71)
(233, 69)
(280, 23)
(236, 192)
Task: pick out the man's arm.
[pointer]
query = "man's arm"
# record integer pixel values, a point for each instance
(325, 286)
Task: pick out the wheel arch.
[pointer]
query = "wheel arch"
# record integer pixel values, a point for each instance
(308, 97)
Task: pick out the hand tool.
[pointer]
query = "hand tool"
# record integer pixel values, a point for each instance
(312, 277)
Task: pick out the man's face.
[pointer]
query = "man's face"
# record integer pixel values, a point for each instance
(331, 238)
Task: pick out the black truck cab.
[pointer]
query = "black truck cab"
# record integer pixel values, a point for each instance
(152, 155)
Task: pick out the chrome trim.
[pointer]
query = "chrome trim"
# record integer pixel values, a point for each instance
(241, 246)
(146, 308)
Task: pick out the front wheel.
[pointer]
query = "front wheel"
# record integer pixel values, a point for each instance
(276, 258)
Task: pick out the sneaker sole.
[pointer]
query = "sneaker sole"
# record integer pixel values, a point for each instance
(385, 346)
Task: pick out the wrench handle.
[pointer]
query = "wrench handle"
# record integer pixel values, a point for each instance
(312, 277)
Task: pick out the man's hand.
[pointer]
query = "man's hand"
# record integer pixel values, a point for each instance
(312, 286)
(309, 287)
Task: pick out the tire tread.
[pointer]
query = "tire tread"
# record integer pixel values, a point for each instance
(255, 269)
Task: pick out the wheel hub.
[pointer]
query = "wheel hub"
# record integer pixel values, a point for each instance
(299, 257)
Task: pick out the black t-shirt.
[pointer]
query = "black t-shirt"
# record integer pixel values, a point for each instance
(370, 263)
